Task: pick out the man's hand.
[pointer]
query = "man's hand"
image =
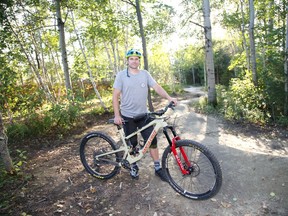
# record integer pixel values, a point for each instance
(174, 100)
(118, 120)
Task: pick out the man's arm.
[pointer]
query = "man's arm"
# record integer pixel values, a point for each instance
(116, 107)
(163, 93)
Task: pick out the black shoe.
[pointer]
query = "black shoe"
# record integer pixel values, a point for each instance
(160, 173)
(134, 172)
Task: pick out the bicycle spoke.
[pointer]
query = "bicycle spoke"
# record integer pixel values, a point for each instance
(95, 158)
(203, 179)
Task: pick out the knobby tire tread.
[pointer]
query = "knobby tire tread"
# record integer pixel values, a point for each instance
(206, 154)
(107, 140)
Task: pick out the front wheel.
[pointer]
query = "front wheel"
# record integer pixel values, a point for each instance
(95, 156)
(204, 177)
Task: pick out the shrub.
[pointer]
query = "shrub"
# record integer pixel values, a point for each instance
(59, 118)
(242, 101)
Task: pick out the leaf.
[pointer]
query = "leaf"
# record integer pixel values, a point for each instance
(93, 189)
(272, 194)
(19, 163)
(225, 204)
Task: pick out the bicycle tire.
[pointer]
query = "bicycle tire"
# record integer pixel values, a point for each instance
(206, 178)
(96, 143)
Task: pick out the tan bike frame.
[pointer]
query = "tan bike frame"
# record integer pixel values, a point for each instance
(158, 123)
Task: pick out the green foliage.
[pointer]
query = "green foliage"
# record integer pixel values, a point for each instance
(8, 181)
(202, 106)
(173, 89)
(222, 60)
(283, 121)
(159, 64)
(187, 60)
(191, 60)
(58, 119)
(243, 101)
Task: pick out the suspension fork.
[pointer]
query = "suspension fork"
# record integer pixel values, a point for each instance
(182, 152)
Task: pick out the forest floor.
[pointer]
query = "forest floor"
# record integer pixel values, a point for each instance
(254, 163)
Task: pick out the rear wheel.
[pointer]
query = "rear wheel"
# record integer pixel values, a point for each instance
(93, 149)
(205, 176)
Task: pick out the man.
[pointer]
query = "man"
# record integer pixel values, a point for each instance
(132, 85)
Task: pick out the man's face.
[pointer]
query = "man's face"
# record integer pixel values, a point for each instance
(133, 62)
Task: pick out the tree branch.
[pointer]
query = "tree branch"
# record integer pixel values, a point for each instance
(197, 24)
(129, 2)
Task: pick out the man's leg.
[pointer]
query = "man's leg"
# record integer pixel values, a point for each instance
(154, 152)
(130, 127)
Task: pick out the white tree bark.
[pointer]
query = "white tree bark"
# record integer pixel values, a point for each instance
(286, 66)
(60, 24)
(252, 42)
(244, 37)
(209, 54)
(4, 152)
(88, 66)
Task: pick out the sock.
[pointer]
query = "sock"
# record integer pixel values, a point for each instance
(134, 165)
(157, 165)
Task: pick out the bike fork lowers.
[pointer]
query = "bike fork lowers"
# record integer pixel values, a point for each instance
(182, 153)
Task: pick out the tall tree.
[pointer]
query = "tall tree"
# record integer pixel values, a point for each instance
(87, 64)
(62, 42)
(144, 46)
(209, 54)
(286, 66)
(4, 152)
(252, 42)
(244, 35)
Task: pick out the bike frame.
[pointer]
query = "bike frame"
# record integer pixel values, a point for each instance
(158, 123)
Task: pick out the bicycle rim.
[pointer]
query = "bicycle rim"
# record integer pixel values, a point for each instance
(205, 177)
(93, 145)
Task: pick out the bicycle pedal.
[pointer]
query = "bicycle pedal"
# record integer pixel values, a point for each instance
(125, 164)
(134, 151)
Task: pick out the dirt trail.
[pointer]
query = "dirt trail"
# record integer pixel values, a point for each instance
(254, 165)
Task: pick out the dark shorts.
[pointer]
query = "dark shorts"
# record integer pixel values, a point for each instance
(131, 126)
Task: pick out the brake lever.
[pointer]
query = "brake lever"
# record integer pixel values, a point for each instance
(171, 105)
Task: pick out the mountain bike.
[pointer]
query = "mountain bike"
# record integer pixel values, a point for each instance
(190, 167)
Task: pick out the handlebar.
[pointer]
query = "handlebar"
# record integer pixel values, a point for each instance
(158, 113)
(162, 111)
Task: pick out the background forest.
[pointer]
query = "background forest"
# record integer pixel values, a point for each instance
(59, 58)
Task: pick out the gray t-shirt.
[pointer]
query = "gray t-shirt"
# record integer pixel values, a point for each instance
(134, 91)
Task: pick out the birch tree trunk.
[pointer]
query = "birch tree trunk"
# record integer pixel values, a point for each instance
(32, 65)
(286, 67)
(144, 47)
(209, 54)
(88, 66)
(244, 37)
(252, 42)
(62, 42)
(4, 152)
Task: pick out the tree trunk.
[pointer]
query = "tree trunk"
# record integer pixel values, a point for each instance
(88, 66)
(193, 76)
(4, 152)
(244, 37)
(62, 42)
(30, 61)
(252, 43)
(144, 47)
(286, 67)
(209, 54)
(115, 67)
(109, 56)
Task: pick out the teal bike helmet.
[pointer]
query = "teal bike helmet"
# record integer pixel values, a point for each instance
(133, 52)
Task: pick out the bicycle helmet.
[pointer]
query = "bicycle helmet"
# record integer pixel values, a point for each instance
(133, 52)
